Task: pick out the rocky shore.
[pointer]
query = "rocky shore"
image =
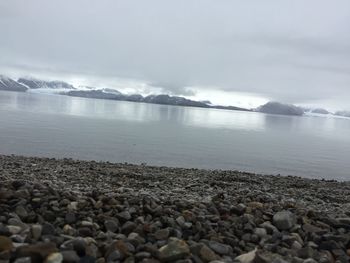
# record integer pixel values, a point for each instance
(85, 211)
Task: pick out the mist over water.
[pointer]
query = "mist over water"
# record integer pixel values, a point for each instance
(117, 131)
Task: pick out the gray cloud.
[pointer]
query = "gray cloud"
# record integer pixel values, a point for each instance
(294, 51)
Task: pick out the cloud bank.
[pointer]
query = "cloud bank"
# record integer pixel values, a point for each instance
(293, 51)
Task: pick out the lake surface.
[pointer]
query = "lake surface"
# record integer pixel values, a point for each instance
(117, 131)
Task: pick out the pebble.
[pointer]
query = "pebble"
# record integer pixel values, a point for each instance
(176, 249)
(162, 234)
(5, 244)
(54, 258)
(111, 225)
(79, 211)
(207, 255)
(14, 229)
(284, 220)
(36, 231)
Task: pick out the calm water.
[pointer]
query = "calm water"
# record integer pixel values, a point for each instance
(60, 126)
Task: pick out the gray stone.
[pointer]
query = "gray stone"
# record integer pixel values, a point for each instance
(114, 256)
(54, 258)
(70, 256)
(48, 229)
(219, 248)
(128, 227)
(176, 249)
(207, 254)
(162, 234)
(284, 220)
(36, 231)
(21, 212)
(70, 218)
(125, 215)
(111, 225)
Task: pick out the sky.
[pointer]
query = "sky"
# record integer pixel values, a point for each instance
(230, 52)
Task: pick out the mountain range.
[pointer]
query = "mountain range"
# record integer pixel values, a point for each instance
(63, 88)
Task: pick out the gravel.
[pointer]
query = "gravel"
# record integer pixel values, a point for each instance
(86, 211)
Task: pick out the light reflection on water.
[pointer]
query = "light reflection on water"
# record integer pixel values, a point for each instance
(54, 125)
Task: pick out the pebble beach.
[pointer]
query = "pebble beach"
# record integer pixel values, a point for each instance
(64, 210)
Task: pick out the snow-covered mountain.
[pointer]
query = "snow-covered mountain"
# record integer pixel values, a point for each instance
(32, 83)
(11, 85)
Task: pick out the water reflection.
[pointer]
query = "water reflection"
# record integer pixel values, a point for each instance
(62, 126)
(197, 117)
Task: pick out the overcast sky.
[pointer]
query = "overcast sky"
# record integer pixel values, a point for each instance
(230, 52)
